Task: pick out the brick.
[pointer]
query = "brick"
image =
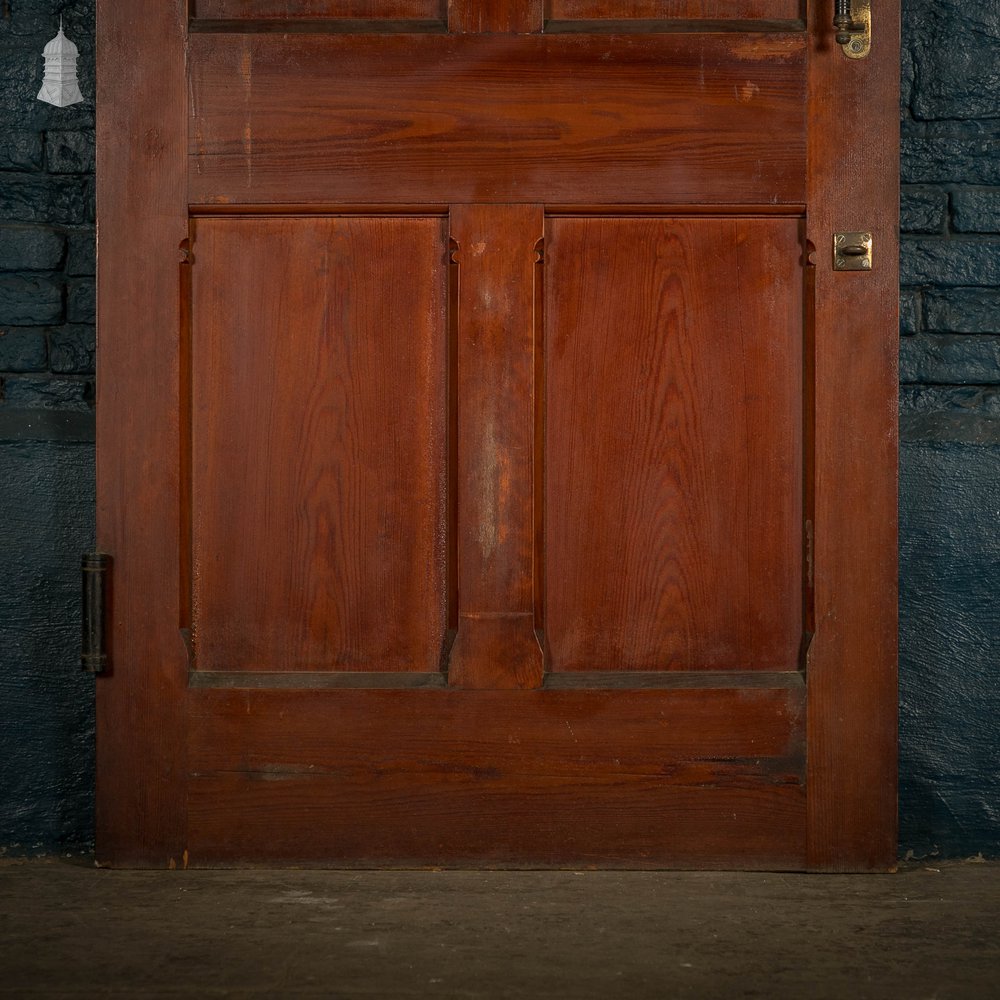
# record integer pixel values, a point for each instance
(964, 310)
(81, 301)
(40, 18)
(82, 256)
(922, 210)
(950, 360)
(954, 45)
(909, 312)
(20, 109)
(39, 198)
(69, 152)
(947, 159)
(906, 77)
(977, 210)
(30, 301)
(950, 262)
(30, 392)
(20, 78)
(30, 248)
(71, 350)
(20, 150)
(950, 413)
(22, 351)
(30, 19)
(981, 401)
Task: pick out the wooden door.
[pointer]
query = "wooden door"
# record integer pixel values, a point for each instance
(495, 467)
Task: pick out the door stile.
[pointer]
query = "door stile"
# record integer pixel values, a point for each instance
(142, 201)
(496, 444)
(852, 699)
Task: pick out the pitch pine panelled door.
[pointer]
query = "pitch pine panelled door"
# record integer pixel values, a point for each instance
(497, 469)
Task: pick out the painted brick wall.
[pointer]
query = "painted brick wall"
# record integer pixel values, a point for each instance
(950, 426)
(950, 423)
(46, 433)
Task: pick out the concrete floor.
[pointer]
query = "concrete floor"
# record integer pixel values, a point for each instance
(67, 930)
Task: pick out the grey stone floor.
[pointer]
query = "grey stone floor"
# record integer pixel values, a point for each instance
(68, 930)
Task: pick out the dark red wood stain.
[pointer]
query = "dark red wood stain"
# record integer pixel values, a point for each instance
(333, 395)
(635, 779)
(289, 10)
(623, 10)
(852, 660)
(673, 358)
(495, 349)
(142, 201)
(446, 119)
(495, 253)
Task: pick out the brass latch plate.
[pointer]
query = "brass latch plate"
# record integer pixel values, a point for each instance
(852, 251)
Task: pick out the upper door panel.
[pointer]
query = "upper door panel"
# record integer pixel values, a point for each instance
(445, 119)
(290, 10)
(666, 10)
(500, 15)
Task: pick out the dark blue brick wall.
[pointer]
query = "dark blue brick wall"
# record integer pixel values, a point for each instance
(950, 428)
(46, 433)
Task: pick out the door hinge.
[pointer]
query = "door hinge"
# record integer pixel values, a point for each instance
(96, 601)
(853, 21)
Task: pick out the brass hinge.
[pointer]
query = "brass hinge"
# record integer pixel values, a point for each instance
(853, 21)
(96, 602)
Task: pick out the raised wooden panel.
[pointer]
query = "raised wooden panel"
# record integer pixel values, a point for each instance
(673, 444)
(318, 441)
(722, 10)
(635, 778)
(290, 10)
(566, 119)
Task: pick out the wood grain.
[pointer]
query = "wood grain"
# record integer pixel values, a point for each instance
(673, 503)
(289, 10)
(319, 358)
(629, 420)
(644, 680)
(531, 821)
(623, 10)
(499, 16)
(313, 680)
(645, 731)
(853, 184)
(496, 257)
(142, 202)
(638, 779)
(483, 119)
